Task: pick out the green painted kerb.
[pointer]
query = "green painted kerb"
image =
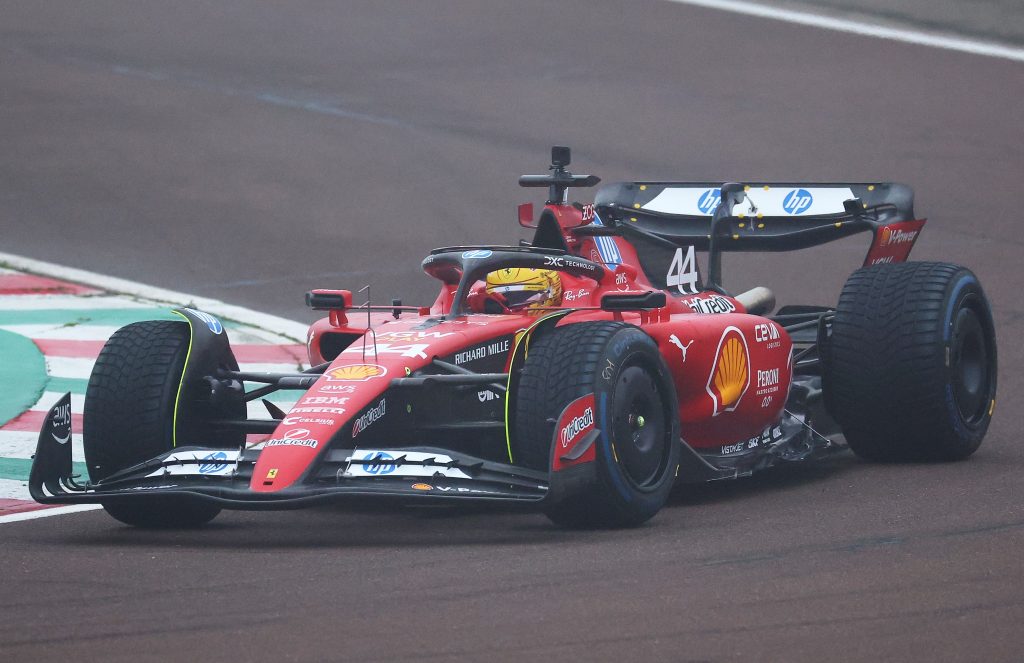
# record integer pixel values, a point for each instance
(17, 469)
(22, 375)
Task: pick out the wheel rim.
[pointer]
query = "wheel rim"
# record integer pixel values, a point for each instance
(638, 427)
(969, 364)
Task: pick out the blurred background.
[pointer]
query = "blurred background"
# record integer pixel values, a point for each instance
(249, 151)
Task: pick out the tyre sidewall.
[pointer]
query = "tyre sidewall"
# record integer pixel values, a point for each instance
(965, 291)
(632, 347)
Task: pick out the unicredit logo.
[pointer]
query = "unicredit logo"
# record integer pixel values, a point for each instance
(576, 426)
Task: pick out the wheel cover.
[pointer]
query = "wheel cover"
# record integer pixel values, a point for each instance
(639, 427)
(969, 365)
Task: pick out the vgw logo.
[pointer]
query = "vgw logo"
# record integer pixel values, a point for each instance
(797, 201)
(709, 200)
(377, 463)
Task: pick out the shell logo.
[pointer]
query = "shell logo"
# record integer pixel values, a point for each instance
(422, 486)
(730, 372)
(886, 236)
(356, 373)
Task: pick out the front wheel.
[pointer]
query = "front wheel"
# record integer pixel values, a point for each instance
(637, 452)
(911, 364)
(130, 417)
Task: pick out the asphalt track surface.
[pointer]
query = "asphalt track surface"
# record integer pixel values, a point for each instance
(250, 151)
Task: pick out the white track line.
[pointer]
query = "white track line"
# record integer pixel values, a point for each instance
(295, 330)
(289, 331)
(932, 39)
(46, 513)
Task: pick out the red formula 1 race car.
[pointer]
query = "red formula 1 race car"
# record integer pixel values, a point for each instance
(584, 372)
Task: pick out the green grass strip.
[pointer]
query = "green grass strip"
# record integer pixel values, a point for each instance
(114, 317)
(22, 375)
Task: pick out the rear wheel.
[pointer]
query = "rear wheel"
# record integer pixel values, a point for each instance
(638, 449)
(911, 365)
(129, 417)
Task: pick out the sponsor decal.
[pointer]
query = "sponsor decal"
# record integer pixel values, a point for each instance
(571, 296)
(318, 410)
(710, 304)
(470, 255)
(212, 463)
(709, 200)
(297, 434)
(463, 490)
(768, 333)
(588, 212)
(296, 421)
(378, 462)
(412, 335)
(482, 351)
(422, 486)
(561, 262)
(607, 249)
(324, 400)
(896, 236)
(885, 260)
(674, 340)
(767, 437)
(730, 373)
(367, 419)
(577, 425)
(287, 442)
(487, 395)
(797, 201)
(212, 466)
(337, 389)
(211, 322)
(407, 350)
(61, 420)
(767, 382)
(401, 463)
(356, 373)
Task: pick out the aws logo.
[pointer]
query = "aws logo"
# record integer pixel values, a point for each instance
(730, 373)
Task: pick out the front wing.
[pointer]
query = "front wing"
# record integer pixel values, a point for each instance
(223, 476)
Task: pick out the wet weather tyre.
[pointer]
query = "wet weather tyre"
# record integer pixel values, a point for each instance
(637, 452)
(911, 363)
(129, 417)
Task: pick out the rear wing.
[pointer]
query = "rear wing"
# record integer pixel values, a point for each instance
(760, 216)
(773, 216)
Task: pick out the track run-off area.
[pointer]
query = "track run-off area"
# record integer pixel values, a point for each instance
(240, 153)
(52, 330)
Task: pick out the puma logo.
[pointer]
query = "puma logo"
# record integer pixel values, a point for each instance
(674, 340)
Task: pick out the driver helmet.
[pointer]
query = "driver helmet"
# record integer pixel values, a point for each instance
(524, 288)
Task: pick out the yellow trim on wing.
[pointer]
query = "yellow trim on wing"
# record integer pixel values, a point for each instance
(525, 336)
(181, 382)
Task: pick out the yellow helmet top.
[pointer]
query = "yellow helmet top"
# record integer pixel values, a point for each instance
(523, 287)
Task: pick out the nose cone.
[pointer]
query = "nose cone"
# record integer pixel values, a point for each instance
(323, 412)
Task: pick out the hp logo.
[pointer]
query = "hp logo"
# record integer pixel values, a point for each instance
(797, 201)
(708, 201)
(378, 463)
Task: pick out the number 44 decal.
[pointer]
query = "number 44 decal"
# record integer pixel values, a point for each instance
(682, 273)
